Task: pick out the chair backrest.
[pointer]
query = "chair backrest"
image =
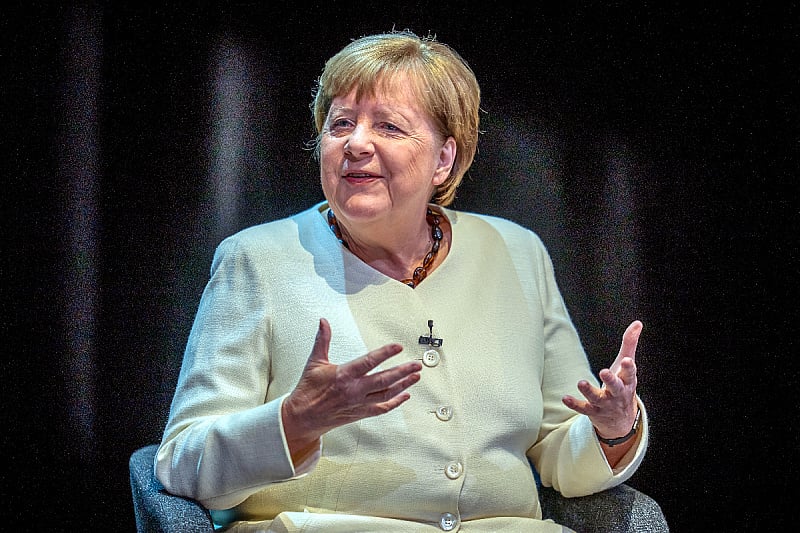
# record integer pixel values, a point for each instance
(155, 509)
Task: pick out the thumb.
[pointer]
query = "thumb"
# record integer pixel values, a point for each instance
(319, 353)
(630, 340)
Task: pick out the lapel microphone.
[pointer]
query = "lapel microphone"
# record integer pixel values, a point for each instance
(430, 339)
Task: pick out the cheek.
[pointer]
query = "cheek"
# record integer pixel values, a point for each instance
(329, 157)
(421, 163)
(406, 159)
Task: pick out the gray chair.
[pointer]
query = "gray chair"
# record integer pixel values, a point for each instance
(621, 509)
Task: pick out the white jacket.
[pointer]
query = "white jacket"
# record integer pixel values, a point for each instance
(457, 453)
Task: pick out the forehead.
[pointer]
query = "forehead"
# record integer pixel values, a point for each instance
(397, 92)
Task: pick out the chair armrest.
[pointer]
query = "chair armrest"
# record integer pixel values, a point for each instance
(155, 509)
(621, 509)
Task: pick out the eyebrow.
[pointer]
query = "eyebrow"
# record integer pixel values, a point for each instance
(382, 112)
(339, 108)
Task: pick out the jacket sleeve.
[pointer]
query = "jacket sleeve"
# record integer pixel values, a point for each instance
(222, 442)
(567, 454)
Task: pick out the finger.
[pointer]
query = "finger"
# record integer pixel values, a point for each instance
(388, 405)
(611, 381)
(630, 340)
(581, 406)
(378, 381)
(322, 342)
(361, 366)
(395, 389)
(387, 379)
(627, 371)
(592, 394)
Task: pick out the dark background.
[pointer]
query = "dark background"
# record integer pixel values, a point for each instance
(655, 150)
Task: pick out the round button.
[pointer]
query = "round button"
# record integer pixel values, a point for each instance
(454, 470)
(444, 413)
(448, 521)
(431, 358)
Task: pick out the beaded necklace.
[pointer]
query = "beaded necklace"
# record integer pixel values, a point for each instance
(421, 272)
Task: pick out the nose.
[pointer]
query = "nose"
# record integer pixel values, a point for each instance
(359, 143)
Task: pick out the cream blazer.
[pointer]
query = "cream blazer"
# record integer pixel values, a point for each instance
(456, 456)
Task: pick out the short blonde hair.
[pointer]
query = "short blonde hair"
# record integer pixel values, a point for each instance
(443, 81)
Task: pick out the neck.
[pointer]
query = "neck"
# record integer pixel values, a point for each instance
(397, 254)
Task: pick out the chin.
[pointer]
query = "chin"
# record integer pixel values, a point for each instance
(355, 208)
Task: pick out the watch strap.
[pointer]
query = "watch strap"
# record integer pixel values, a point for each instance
(624, 438)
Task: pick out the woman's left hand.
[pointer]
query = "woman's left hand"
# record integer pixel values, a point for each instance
(612, 407)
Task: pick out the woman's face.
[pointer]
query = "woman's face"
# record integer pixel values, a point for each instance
(381, 158)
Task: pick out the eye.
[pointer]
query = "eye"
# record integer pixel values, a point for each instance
(339, 125)
(390, 127)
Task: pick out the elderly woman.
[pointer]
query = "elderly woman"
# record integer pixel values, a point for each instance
(380, 362)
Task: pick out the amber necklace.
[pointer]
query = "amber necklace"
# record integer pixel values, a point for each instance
(421, 272)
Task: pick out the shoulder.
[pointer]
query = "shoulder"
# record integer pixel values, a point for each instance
(275, 232)
(275, 238)
(512, 232)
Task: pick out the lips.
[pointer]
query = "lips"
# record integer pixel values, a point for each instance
(359, 177)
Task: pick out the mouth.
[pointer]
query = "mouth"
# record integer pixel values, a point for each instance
(360, 177)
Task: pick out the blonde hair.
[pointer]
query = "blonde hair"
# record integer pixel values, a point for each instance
(442, 80)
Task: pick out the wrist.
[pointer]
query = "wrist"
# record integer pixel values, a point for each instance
(625, 438)
(297, 427)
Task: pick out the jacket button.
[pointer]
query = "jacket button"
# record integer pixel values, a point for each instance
(431, 358)
(448, 521)
(454, 470)
(444, 413)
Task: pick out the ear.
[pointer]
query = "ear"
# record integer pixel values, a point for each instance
(447, 157)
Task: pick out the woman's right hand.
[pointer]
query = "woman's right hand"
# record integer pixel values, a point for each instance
(328, 396)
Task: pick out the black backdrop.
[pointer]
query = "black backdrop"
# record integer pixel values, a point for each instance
(655, 150)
